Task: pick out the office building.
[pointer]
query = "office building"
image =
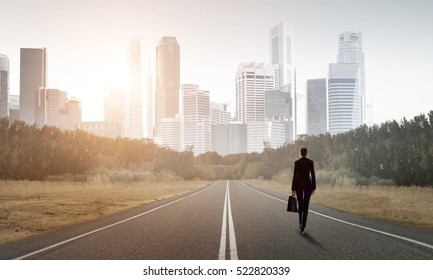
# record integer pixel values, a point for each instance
(114, 107)
(219, 113)
(281, 40)
(171, 133)
(104, 128)
(54, 108)
(134, 112)
(14, 107)
(196, 119)
(317, 113)
(278, 109)
(33, 77)
(4, 86)
(344, 97)
(149, 119)
(167, 81)
(228, 139)
(252, 80)
(350, 51)
(281, 57)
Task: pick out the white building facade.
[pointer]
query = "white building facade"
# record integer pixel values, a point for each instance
(281, 57)
(344, 97)
(4, 86)
(134, 111)
(252, 80)
(196, 119)
(350, 51)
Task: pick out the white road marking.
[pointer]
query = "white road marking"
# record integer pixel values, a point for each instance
(222, 252)
(109, 226)
(232, 235)
(353, 224)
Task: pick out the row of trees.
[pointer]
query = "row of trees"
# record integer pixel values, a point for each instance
(401, 152)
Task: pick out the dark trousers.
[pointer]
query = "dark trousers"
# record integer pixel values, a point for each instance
(303, 197)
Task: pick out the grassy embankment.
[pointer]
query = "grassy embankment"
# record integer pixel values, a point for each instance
(408, 205)
(27, 207)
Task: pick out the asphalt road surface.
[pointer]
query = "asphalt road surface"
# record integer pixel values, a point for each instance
(226, 220)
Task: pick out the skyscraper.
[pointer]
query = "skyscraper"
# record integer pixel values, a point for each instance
(281, 56)
(114, 106)
(278, 110)
(150, 101)
(252, 80)
(219, 113)
(4, 86)
(33, 77)
(134, 107)
(196, 119)
(167, 81)
(317, 113)
(344, 97)
(281, 39)
(350, 51)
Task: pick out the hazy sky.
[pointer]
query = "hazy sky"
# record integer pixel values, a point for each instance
(86, 43)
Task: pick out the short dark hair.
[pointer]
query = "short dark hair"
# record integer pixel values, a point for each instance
(304, 152)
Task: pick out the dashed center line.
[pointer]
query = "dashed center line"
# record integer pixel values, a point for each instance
(227, 215)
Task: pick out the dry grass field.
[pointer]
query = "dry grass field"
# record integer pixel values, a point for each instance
(32, 207)
(408, 205)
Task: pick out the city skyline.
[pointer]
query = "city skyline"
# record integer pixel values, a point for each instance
(394, 40)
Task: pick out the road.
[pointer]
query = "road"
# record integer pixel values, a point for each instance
(226, 220)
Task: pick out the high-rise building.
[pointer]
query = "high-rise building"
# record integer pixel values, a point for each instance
(33, 77)
(171, 133)
(219, 113)
(14, 107)
(196, 119)
(4, 86)
(229, 139)
(114, 107)
(278, 109)
(281, 40)
(317, 113)
(134, 107)
(150, 101)
(281, 56)
(350, 51)
(74, 113)
(167, 81)
(104, 128)
(54, 108)
(252, 80)
(344, 97)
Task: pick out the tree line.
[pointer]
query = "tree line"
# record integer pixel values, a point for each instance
(401, 152)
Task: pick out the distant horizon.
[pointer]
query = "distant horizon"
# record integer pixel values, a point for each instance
(86, 48)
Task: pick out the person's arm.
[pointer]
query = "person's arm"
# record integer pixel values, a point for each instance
(294, 181)
(313, 176)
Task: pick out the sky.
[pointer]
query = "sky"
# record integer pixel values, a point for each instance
(86, 44)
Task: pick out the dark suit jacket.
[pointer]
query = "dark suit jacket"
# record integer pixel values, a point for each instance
(303, 175)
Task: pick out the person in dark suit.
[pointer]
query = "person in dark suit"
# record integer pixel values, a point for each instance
(303, 186)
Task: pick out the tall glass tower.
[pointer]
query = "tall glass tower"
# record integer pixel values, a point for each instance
(167, 81)
(135, 98)
(4, 86)
(316, 107)
(33, 78)
(281, 56)
(350, 51)
(344, 97)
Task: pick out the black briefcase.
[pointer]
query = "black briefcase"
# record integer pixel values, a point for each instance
(292, 205)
